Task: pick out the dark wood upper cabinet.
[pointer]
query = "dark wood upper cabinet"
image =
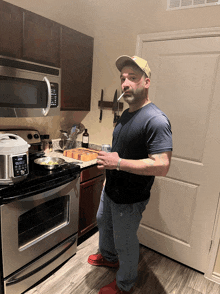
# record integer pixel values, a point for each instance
(76, 64)
(11, 30)
(28, 36)
(41, 39)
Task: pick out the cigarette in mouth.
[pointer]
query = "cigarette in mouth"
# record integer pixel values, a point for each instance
(120, 96)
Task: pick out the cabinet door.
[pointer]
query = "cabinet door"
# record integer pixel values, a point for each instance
(11, 30)
(41, 42)
(90, 193)
(76, 64)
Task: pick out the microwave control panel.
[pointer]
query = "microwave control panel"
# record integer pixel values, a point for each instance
(54, 94)
(20, 165)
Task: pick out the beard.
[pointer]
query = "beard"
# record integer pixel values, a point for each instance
(134, 96)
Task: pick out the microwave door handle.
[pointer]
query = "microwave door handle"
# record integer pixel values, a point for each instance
(46, 110)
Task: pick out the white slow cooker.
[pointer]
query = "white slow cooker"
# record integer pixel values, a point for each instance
(14, 161)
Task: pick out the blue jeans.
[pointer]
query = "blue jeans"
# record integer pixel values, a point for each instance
(118, 225)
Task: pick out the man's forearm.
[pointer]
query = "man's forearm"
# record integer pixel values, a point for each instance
(158, 166)
(154, 165)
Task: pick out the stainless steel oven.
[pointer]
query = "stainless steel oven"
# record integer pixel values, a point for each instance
(39, 225)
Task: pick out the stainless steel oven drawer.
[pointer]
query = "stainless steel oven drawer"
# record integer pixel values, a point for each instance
(24, 279)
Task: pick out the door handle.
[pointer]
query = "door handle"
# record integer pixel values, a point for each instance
(46, 110)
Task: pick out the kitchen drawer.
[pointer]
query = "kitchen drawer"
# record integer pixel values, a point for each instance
(90, 173)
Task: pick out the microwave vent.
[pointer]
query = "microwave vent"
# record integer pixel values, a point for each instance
(29, 66)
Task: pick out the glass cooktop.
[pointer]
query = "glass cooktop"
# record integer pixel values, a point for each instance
(39, 180)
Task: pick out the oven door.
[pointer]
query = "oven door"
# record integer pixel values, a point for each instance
(34, 225)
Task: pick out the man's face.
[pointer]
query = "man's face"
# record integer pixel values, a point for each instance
(133, 84)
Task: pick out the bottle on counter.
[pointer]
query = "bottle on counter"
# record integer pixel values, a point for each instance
(46, 143)
(41, 143)
(51, 146)
(85, 139)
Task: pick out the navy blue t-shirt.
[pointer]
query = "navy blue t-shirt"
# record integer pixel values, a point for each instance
(137, 134)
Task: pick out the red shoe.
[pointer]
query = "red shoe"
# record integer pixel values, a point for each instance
(98, 259)
(112, 288)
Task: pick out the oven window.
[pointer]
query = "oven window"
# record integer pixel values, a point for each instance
(44, 219)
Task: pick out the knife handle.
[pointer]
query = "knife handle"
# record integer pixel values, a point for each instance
(100, 118)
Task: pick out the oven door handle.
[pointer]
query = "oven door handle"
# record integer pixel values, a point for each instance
(40, 188)
(14, 280)
(46, 110)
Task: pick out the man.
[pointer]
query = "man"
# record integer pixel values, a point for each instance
(141, 150)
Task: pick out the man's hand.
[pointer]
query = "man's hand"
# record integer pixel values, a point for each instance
(107, 160)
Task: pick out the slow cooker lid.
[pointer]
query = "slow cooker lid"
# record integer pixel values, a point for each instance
(11, 144)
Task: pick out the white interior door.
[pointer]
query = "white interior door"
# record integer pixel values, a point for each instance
(179, 219)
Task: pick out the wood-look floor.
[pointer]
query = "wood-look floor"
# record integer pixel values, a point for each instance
(157, 275)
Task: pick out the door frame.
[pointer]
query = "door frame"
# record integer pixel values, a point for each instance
(214, 249)
(187, 34)
(175, 35)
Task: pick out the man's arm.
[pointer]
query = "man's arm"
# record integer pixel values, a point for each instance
(155, 165)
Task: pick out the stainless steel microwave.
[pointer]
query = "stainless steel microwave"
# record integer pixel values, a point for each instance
(28, 89)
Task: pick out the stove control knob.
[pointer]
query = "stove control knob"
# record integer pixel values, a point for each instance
(36, 136)
(29, 136)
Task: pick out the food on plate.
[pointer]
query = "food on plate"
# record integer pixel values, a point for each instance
(83, 154)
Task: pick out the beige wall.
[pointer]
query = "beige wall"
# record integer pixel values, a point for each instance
(114, 26)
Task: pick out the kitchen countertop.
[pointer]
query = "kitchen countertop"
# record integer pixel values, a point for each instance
(83, 164)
